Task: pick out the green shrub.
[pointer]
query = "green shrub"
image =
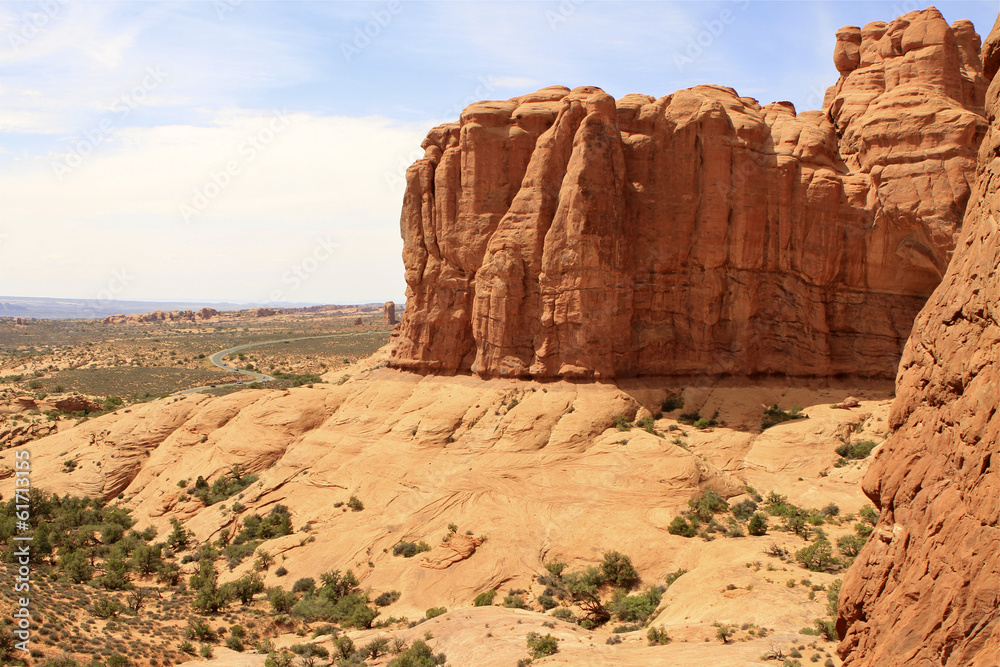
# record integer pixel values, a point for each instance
(856, 450)
(818, 557)
(827, 629)
(636, 608)
(409, 549)
(355, 504)
(868, 515)
(707, 505)
(434, 612)
(418, 655)
(107, 608)
(743, 510)
(255, 527)
(547, 602)
(832, 597)
(647, 423)
(515, 602)
(850, 545)
(674, 576)
(387, 598)
(657, 636)
(622, 423)
(618, 570)
(564, 614)
(775, 415)
(539, 647)
(484, 599)
(680, 526)
(757, 525)
(672, 403)
(304, 585)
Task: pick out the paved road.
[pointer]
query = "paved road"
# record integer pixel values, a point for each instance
(218, 357)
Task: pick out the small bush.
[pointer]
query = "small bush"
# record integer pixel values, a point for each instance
(818, 557)
(680, 526)
(434, 612)
(547, 602)
(618, 570)
(775, 415)
(744, 510)
(355, 504)
(856, 450)
(484, 599)
(658, 636)
(672, 403)
(515, 602)
(564, 614)
(387, 598)
(539, 647)
(636, 608)
(827, 629)
(409, 549)
(304, 585)
(757, 525)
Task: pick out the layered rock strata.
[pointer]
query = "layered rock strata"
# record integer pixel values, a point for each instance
(567, 234)
(925, 590)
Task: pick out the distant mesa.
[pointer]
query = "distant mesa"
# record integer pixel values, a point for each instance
(265, 312)
(568, 234)
(163, 316)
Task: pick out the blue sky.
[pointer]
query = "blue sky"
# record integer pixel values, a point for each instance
(253, 151)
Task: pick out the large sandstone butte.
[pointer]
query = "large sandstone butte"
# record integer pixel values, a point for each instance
(567, 234)
(927, 590)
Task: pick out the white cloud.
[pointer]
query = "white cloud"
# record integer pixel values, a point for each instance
(317, 178)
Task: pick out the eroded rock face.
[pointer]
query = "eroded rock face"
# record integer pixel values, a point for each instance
(566, 234)
(926, 589)
(389, 314)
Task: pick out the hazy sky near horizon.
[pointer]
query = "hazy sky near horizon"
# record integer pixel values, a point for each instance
(254, 150)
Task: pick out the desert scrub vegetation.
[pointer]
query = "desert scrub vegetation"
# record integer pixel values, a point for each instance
(695, 419)
(223, 487)
(539, 647)
(410, 549)
(709, 516)
(774, 415)
(850, 451)
(484, 599)
(601, 592)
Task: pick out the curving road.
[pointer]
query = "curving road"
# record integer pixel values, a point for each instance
(218, 357)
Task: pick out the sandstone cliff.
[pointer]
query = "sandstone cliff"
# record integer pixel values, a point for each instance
(566, 234)
(926, 589)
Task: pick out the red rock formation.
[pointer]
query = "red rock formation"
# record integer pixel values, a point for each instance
(925, 590)
(162, 316)
(389, 312)
(565, 234)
